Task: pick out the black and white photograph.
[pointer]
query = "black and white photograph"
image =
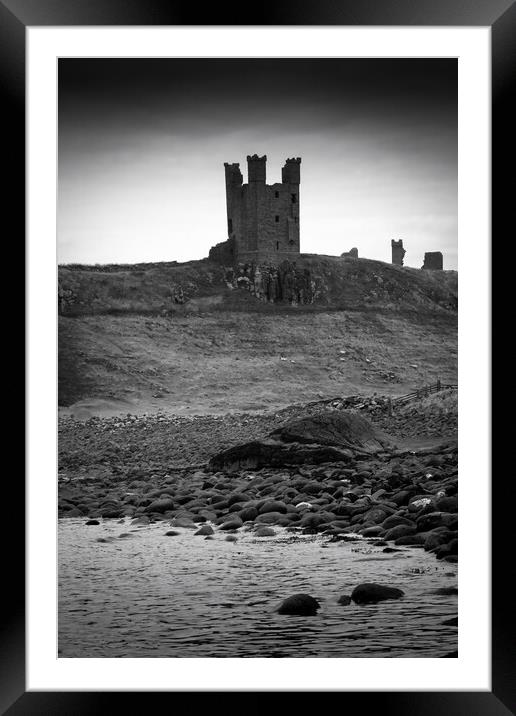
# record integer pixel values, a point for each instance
(257, 357)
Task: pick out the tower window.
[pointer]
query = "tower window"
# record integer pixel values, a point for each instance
(277, 245)
(294, 198)
(230, 225)
(276, 219)
(276, 194)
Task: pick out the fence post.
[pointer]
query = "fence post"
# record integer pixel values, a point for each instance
(438, 385)
(390, 406)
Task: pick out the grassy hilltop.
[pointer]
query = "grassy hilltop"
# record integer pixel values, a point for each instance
(182, 338)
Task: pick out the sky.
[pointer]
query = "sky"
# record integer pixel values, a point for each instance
(142, 145)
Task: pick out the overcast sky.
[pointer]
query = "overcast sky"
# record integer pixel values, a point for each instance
(142, 146)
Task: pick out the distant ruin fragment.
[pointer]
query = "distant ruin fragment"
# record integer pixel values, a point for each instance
(352, 253)
(433, 261)
(398, 252)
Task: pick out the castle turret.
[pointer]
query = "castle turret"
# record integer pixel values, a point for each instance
(256, 168)
(234, 181)
(398, 252)
(291, 174)
(263, 220)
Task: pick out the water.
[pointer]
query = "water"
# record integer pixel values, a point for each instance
(147, 595)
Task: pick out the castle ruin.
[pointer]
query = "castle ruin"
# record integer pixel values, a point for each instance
(433, 261)
(262, 219)
(398, 252)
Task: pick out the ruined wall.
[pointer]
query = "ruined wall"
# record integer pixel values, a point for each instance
(398, 252)
(433, 261)
(223, 253)
(352, 254)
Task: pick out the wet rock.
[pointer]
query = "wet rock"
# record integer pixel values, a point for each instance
(399, 531)
(160, 505)
(436, 538)
(231, 538)
(370, 593)
(272, 518)
(374, 531)
(409, 541)
(184, 522)
(237, 497)
(265, 532)
(92, 522)
(172, 533)
(396, 520)
(299, 604)
(111, 512)
(204, 530)
(376, 515)
(451, 622)
(447, 504)
(344, 600)
(273, 506)
(433, 520)
(233, 523)
(402, 498)
(445, 591)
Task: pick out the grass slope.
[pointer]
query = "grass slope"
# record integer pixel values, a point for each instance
(217, 362)
(127, 345)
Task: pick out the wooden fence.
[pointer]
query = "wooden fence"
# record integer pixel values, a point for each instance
(423, 392)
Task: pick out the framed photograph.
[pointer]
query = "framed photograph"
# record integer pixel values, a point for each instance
(259, 320)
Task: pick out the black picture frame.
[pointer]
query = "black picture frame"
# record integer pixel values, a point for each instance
(500, 16)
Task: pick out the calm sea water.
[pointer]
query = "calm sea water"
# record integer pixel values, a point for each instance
(142, 594)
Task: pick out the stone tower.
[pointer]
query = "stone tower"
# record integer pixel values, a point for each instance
(263, 219)
(433, 261)
(398, 252)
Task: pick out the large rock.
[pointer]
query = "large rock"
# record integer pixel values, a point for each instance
(161, 505)
(369, 593)
(338, 428)
(273, 506)
(273, 453)
(232, 523)
(399, 531)
(300, 604)
(265, 532)
(331, 436)
(204, 530)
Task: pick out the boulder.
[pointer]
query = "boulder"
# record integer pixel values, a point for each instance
(161, 505)
(399, 531)
(185, 522)
(271, 518)
(299, 604)
(273, 506)
(265, 532)
(248, 514)
(233, 523)
(370, 593)
(395, 520)
(204, 530)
